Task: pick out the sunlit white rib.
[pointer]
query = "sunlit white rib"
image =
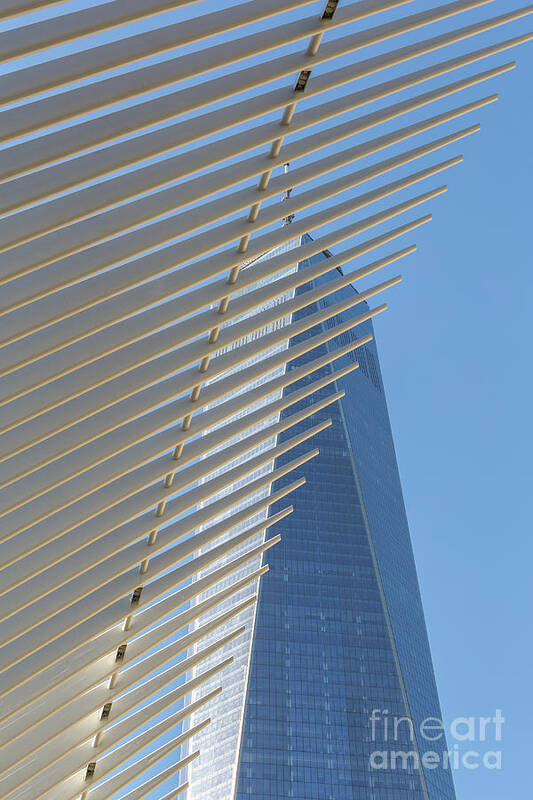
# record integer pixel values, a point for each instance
(115, 311)
(54, 366)
(61, 243)
(78, 722)
(41, 34)
(34, 154)
(46, 309)
(132, 432)
(49, 111)
(66, 69)
(153, 350)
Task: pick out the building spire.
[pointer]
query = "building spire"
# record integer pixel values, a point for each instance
(289, 218)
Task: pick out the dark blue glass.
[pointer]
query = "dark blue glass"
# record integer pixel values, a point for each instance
(340, 629)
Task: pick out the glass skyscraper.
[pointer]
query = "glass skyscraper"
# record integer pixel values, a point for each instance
(336, 666)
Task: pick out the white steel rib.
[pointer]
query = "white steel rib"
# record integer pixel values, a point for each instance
(149, 315)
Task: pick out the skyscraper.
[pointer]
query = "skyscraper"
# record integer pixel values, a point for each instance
(339, 642)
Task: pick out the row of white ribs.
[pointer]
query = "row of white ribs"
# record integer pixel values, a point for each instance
(111, 323)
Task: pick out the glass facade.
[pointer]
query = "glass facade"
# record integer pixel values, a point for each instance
(339, 631)
(212, 775)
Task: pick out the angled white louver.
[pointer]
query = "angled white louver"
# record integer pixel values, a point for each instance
(122, 247)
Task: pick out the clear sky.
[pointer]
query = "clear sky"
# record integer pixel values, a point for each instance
(455, 354)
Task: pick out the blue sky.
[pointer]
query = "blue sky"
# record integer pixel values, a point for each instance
(455, 356)
(455, 351)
